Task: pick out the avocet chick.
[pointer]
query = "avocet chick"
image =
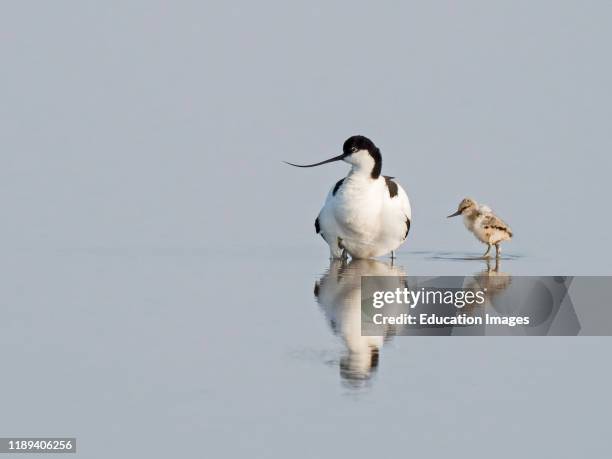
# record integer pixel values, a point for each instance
(484, 224)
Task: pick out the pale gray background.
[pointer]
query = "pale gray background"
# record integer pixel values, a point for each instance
(140, 180)
(150, 124)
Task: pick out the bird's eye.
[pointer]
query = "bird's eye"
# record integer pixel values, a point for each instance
(354, 150)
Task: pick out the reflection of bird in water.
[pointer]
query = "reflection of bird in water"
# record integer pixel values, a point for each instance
(490, 280)
(542, 300)
(338, 293)
(484, 224)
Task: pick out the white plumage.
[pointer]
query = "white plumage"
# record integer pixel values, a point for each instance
(365, 214)
(338, 293)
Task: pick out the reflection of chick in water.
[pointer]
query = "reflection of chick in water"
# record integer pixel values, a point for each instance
(491, 280)
(338, 293)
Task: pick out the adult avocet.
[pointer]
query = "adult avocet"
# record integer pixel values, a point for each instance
(366, 214)
(484, 224)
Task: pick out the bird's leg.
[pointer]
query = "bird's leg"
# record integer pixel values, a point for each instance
(393, 254)
(486, 254)
(497, 250)
(336, 251)
(343, 253)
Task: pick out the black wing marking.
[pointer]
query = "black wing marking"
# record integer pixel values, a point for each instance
(391, 185)
(407, 227)
(337, 186)
(492, 221)
(317, 226)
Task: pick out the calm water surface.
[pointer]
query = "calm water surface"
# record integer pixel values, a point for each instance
(183, 353)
